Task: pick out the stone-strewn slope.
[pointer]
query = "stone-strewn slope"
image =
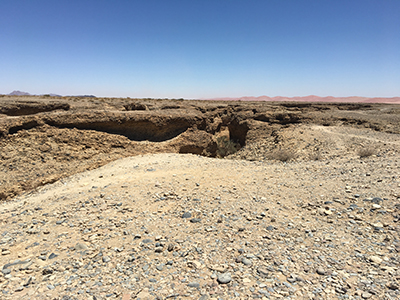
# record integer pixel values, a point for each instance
(174, 226)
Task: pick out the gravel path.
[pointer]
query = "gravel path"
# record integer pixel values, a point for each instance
(172, 226)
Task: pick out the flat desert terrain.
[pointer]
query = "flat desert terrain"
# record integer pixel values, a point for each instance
(107, 198)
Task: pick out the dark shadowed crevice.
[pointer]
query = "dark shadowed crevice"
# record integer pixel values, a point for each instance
(287, 118)
(170, 107)
(262, 118)
(238, 132)
(31, 109)
(25, 126)
(134, 130)
(191, 149)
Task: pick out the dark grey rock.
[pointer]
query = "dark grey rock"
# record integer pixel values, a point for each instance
(6, 271)
(194, 284)
(186, 215)
(264, 292)
(18, 262)
(195, 220)
(263, 272)
(377, 200)
(160, 267)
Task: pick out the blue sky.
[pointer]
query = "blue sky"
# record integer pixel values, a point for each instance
(201, 48)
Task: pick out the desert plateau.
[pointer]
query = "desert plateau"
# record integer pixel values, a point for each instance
(119, 198)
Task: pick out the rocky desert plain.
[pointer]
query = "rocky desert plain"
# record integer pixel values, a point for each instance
(119, 198)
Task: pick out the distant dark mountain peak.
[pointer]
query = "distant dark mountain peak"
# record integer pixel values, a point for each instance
(19, 93)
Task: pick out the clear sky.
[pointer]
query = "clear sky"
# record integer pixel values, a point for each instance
(201, 48)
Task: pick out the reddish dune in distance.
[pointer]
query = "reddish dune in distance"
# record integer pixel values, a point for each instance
(313, 98)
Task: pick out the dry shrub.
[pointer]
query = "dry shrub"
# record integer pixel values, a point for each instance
(283, 155)
(226, 146)
(135, 106)
(315, 156)
(366, 151)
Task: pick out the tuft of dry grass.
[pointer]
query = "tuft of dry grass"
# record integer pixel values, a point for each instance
(283, 155)
(315, 156)
(366, 151)
(226, 146)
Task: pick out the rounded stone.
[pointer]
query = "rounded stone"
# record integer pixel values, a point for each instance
(81, 246)
(375, 259)
(246, 262)
(186, 215)
(194, 284)
(366, 295)
(321, 271)
(106, 259)
(224, 278)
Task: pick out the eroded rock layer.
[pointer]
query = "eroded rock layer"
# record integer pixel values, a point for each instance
(47, 138)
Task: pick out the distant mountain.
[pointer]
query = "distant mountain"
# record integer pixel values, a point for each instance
(19, 93)
(313, 98)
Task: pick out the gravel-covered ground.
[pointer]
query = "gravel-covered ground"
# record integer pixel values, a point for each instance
(182, 226)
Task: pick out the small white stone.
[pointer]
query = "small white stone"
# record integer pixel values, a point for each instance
(375, 259)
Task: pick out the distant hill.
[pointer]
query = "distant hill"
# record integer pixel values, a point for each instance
(313, 98)
(19, 93)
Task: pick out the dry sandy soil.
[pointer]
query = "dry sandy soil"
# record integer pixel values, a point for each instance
(170, 199)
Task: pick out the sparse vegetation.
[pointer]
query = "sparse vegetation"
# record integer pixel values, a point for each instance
(226, 146)
(315, 155)
(366, 151)
(135, 106)
(283, 155)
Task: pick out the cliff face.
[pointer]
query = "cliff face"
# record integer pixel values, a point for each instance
(46, 138)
